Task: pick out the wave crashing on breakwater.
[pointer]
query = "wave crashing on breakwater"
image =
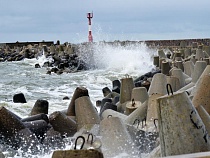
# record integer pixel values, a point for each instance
(127, 58)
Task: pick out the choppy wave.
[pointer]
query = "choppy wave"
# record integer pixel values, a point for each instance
(109, 62)
(132, 59)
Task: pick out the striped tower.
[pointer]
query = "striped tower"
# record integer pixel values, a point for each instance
(90, 37)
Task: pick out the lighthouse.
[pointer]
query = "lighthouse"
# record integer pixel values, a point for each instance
(90, 37)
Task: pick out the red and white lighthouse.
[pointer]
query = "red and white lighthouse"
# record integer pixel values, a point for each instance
(90, 37)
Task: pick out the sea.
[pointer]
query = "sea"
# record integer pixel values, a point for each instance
(108, 63)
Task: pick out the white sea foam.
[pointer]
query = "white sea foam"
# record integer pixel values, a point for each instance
(41, 59)
(108, 62)
(132, 59)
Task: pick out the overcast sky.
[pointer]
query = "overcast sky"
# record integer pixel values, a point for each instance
(65, 20)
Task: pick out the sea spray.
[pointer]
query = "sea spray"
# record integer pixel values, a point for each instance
(40, 59)
(131, 58)
(107, 62)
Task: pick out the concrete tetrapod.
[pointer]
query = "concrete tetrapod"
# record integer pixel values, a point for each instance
(10, 124)
(199, 54)
(145, 141)
(53, 140)
(158, 83)
(78, 153)
(1, 155)
(79, 92)
(204, 116)
(106, 91)
(63, 124)
(40, 106)
(180, 127)
(206, 60)
(156, 61)
(91, 140)
(104, 101)
(155, 153)
(139, 114)
(108, 106)
(178, 74)
(115, 138)
(139, 94)
(165, 67)
(127, 85)
(207, 50)
(36, 117)
(205, 72)
(160, 62)
(192, 58)
(161, 54)
(111, 113)
(198, 70)
(14, 132)
(19, 98)
(111, 95)
(187, 52)
(177, 61)
(177, 56)
(152, 114)
(86, 114)
(38, 127)
(131, 106)
(202, 93)
(188, 68)
(174, 82)
(116, 86)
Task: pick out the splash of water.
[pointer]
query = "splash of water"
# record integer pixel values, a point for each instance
(129, 58)
(41, 59)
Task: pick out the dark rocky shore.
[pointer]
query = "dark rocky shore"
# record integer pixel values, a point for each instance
(66, 56)
(162, 113)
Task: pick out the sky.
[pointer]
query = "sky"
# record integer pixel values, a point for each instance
(139, 20)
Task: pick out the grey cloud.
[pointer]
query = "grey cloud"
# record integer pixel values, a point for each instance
(139, 18)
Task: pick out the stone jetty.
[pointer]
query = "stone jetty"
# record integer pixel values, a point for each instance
(163, 113)
(64, 57)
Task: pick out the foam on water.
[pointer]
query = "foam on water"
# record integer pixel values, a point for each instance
(108, 62)
(41, 59)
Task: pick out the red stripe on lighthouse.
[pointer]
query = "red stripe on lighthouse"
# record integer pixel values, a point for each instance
(90, 37)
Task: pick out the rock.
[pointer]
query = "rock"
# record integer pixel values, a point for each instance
(19, 98)
(46, 64)
(116, 86)
(41, 106)
(37, 66)
(48, 72)
(66, 98)
(59, 72)
(54, 69)
(27, 53)
(106, 91)
(61, 66)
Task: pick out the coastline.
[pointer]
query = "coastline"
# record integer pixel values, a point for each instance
(170, 62)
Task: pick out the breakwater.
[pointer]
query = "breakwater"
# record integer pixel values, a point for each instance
(148, 118)
(71, 56)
